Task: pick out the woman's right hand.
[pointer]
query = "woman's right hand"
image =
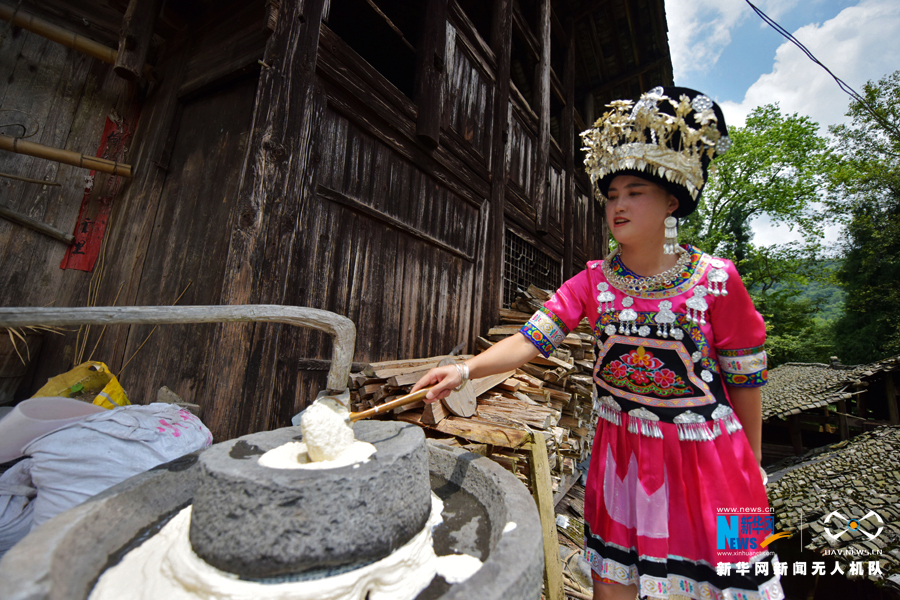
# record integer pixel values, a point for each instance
(443, 379)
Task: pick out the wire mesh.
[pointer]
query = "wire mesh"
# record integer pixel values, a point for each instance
(524, 265)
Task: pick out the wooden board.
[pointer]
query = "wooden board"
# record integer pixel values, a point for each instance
(485, 433)
(461, 403)
(543, 496)
(434, 413)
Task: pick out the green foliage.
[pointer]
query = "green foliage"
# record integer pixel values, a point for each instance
(869, 179)
(777, 166)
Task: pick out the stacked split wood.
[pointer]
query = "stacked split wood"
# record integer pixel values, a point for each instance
(551, 395)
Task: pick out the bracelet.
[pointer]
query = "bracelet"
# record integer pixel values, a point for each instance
(765, 476)
(463, 370)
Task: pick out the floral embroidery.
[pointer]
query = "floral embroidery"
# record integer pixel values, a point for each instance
(752, 380)
(642, 373)
(664, 378)
(606, 320)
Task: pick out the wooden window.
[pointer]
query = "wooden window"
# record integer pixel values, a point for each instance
(479, 12)
(384, 33)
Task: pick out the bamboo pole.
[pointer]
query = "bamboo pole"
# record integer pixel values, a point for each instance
(55, 33)
(68, 157)
(39, 226)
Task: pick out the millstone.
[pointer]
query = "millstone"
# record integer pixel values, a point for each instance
(259, 522)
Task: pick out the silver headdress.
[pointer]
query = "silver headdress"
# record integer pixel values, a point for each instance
(669, 135)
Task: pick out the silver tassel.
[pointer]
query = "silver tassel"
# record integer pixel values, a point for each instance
(610, 410)
(725, 415)
(694, 432)
(732, 424)
(717, 278)
(628, 318)
(642, 421)
(671, 239)
(697, 306)
(664, 319)
(693, 427)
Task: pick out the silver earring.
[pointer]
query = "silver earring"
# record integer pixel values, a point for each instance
(671, 239)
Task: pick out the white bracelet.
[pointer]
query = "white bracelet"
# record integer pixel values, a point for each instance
(463, 370)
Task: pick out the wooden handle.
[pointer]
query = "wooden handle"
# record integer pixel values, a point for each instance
(382, 408)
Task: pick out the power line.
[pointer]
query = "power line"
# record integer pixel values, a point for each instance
(841, 83)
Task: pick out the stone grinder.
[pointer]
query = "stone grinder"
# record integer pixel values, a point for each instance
(259, 522)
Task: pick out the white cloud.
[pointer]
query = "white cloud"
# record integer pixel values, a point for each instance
(861, 43)
(767, 232)
(699, 30)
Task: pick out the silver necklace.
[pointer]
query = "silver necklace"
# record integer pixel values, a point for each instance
(642, 284)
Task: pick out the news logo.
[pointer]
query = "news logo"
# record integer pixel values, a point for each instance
(740, 532)
(846, 525)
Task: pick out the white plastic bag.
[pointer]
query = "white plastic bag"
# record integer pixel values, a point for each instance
(82, 459)
(16, 504)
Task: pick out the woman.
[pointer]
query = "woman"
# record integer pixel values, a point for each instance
(679, 365)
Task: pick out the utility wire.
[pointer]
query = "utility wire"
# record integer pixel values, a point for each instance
(841, 83)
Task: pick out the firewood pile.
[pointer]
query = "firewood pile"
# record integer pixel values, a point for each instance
(494, 416)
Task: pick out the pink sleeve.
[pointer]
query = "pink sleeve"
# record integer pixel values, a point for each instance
(739, 333)
(560, 314)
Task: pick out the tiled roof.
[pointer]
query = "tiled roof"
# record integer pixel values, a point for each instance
(796, 387)
(852, 477)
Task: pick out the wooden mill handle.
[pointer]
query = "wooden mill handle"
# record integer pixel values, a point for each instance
(382, 408)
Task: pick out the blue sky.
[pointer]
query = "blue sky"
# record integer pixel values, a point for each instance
(722, 48)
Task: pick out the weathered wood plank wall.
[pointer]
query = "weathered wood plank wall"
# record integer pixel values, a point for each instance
(303, 184)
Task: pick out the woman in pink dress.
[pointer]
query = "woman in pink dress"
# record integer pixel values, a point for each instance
(680, 361)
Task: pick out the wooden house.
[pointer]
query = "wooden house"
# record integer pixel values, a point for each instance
(407, 164)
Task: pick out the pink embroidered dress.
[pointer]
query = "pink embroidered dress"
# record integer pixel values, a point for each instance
(669, 453)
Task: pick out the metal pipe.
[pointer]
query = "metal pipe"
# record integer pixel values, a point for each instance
(68, 157)
(339, 327)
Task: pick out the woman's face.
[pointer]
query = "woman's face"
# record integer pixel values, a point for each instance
(636, 210)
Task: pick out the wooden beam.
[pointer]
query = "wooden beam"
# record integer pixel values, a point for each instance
(568, 142)
(842, 419)
(430, 71)
(542, 169)
(532, 42)
(277, 179)
(542, 490)
(796, 436)
(602, 89)
(634, 43)
(588, 9)
(890, 390)
(491, 275)
(134, 38)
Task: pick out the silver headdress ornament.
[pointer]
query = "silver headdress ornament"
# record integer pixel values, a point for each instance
(672, 138)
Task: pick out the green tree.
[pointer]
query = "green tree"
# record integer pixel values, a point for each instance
(869, 179)
(778, 166)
